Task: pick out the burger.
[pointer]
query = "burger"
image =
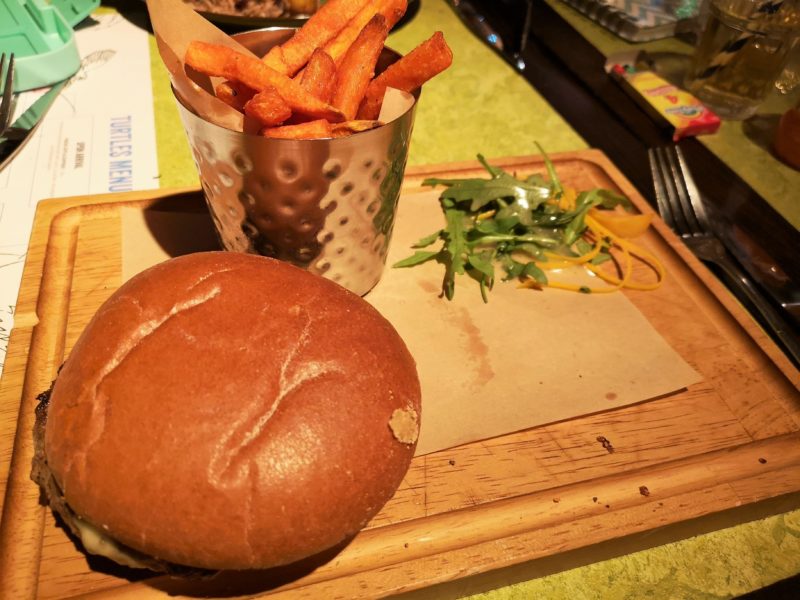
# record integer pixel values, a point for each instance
(226, 411)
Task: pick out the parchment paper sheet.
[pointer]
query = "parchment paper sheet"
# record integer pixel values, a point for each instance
(524, 359)
(175, 25)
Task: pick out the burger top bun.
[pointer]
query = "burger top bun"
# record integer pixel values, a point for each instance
(229, 411)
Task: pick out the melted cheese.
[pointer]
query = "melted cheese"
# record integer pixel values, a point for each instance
(96, 541)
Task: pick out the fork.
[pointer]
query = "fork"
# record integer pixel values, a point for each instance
(8, 89)
(681, 207)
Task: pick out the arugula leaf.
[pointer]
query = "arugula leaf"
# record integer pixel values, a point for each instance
(532, 250)
(434, 181)
(455, 247)
(611, 199)
(584, 247)
(428, 240)
(531, 270)
(555, 182)
(576, 225)
(493, 171)
(512, 268)
(490, 226)
(455, 242)
(515, 269)
(415, 259)
(536, 179)
(600, 258)
(480, 192)
(483, 264)
(515, 223)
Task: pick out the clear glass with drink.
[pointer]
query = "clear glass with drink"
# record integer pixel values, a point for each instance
(789, 79)
(741, 53)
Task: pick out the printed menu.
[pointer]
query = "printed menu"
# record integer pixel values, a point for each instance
(98, 137)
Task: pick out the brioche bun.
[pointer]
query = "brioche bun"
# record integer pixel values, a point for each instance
(229, 411)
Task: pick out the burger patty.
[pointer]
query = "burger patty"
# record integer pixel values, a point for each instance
(93, 538)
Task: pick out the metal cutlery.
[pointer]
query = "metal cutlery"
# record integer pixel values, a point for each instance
(478, 23)
(14, 137)
(7, 98)
(481, 27)
(682, 208)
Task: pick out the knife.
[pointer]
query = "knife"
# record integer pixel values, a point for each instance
(477, 23)
(480, 26)
(19, 132)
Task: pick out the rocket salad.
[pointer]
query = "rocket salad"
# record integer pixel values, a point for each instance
(527, 227)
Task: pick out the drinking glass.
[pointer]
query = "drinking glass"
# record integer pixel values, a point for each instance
(789, 79)
(741, 53)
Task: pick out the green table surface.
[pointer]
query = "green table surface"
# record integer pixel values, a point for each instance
(481, 105)
(745, 146)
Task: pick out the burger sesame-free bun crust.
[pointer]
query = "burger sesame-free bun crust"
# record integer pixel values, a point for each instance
(229, 411)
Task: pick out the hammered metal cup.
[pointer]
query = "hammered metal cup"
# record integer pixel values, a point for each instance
(325, 205)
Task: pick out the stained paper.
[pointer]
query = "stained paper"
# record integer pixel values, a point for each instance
(525, 358)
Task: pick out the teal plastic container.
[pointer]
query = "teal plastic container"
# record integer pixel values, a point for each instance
(40, 35)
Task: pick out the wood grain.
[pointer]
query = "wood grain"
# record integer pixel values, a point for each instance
(729, 445)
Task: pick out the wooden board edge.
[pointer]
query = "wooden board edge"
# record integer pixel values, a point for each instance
(465, 572)
(528, 525)
(48, 264)
(21, 537)
(46, 211)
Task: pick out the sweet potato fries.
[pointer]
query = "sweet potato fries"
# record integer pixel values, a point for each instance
(321, 82)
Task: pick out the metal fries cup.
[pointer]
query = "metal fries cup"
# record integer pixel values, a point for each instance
(325, 205)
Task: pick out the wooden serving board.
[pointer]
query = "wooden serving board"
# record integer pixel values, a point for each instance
(723, 451)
